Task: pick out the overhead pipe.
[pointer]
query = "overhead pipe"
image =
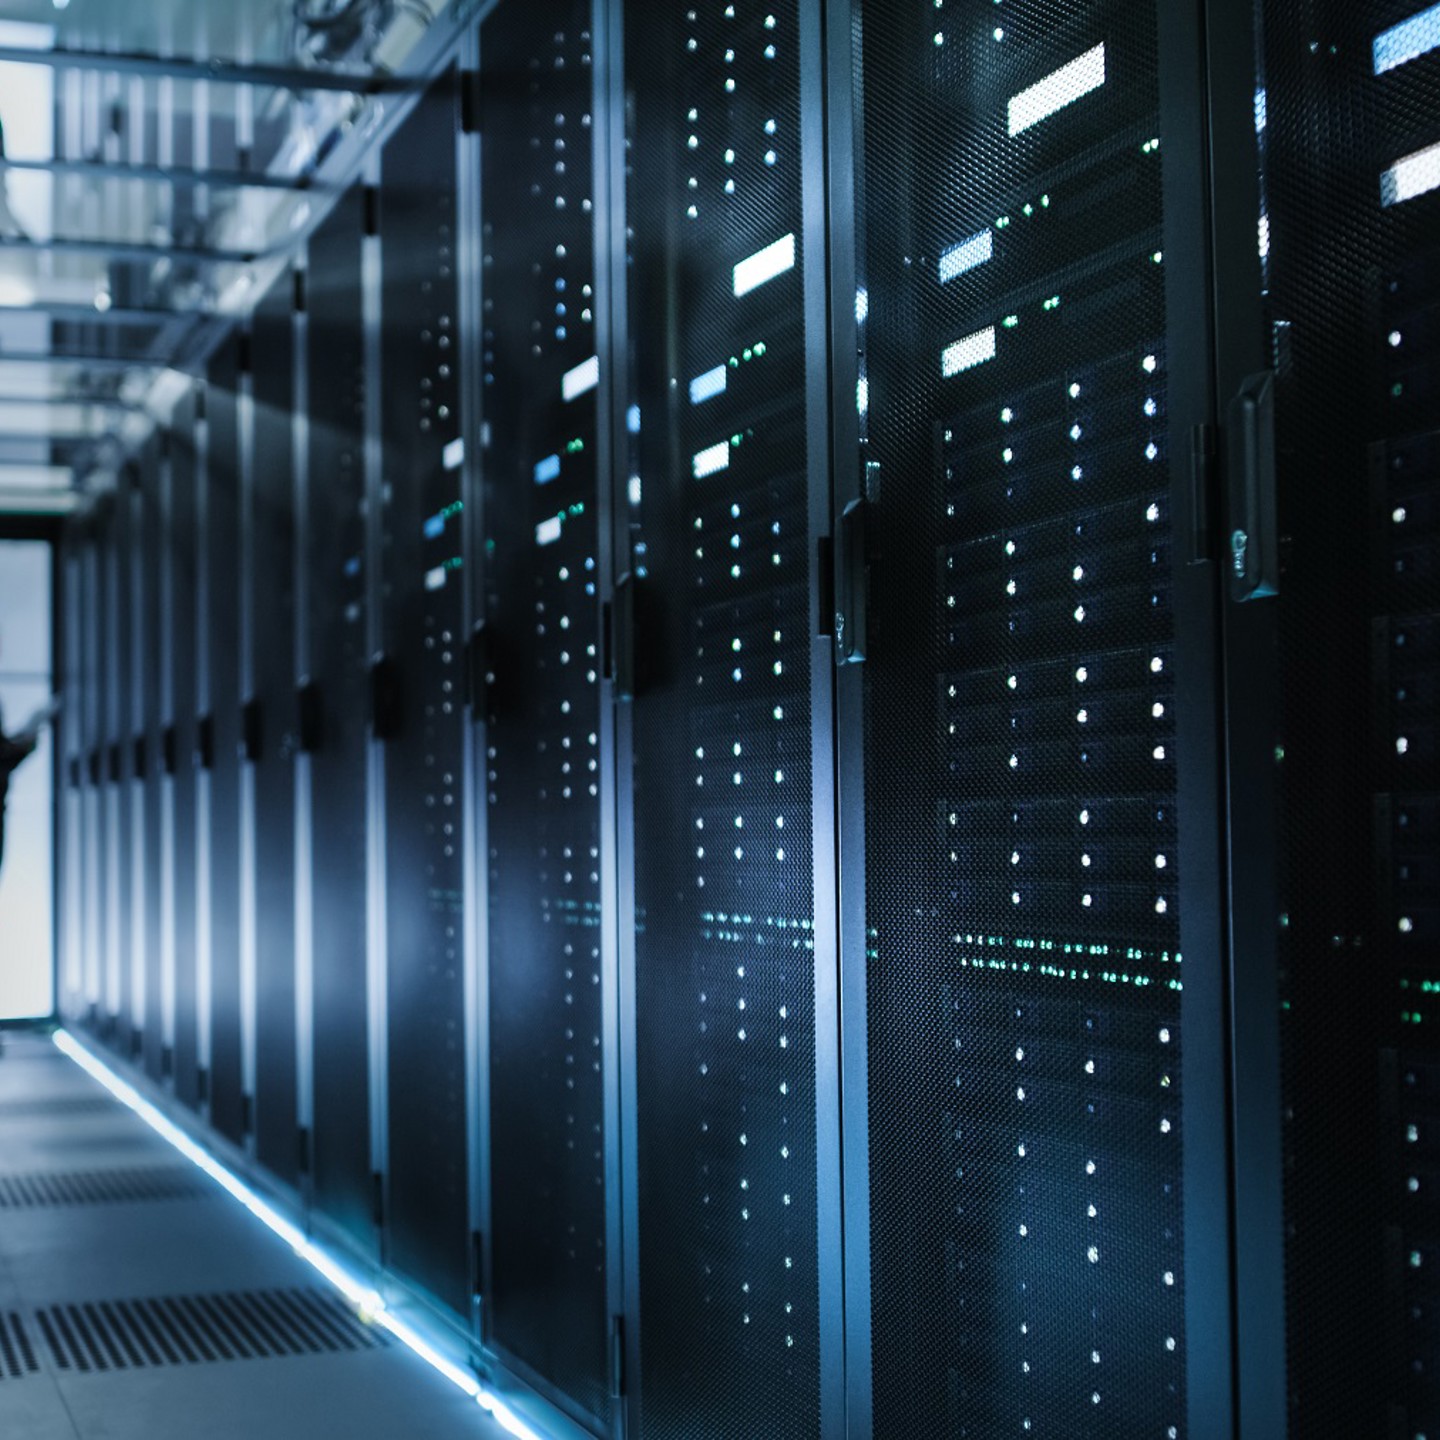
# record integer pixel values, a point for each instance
(217, 72)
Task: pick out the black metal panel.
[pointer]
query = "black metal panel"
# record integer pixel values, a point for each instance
(429, 1237)
(1023, 973)
(273, 695)
(150, 557)
(222, 637)
(723, 862)
(181, 555)
(547, 1302)
(336, 559)
(1346, 107)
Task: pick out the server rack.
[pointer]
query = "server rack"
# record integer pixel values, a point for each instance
(269, 733)
(116, 762)
(219, 735)
(726, 846)
(420, 700)
(335, 705)
(550, 1264)
(181, 737)
(150, 556)
(1327, 343)
(1014, 572)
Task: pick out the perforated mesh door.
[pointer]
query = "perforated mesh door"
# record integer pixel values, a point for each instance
(221, 636)
(339, 659)
(1023, 979)
(421, 581)
(1349, 105)
(273, 598)
(548, 1256)
(724, 895)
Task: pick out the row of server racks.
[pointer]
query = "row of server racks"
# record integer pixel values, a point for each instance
(774, 727)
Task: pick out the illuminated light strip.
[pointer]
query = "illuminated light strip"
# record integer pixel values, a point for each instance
(765, 265)
(368, 1301)
(1416, 174)
(547, 532)
(547, 470)
(1408, 40)
(1058, 89)
(585, 376)
(708, 386)
(711, 461)
(966, 255)
(967, 353)
(454, 455)
(1262, 106)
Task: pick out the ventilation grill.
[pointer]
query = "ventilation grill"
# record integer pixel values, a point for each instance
(195, 1329)
(17, 1356)
(98, 1187)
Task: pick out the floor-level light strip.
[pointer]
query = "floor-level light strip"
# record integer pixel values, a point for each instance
(366, 1299)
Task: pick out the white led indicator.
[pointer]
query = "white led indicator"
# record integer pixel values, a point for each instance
(966, 255)
(435, 579)
(548, 531)
(967, 353)
(583, 377)
(1416, 174)
(708, 386)
(765, 265)
(1060, 88)
(455, 454)
(712, 460)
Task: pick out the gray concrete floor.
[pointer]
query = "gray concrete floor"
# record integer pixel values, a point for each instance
(56, 1122)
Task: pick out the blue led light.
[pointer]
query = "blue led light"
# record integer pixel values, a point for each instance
(547, 470)
(364, 1297)
(708, 386)
(1407, 41)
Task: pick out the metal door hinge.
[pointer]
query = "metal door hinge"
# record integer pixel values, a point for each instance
(852, 584)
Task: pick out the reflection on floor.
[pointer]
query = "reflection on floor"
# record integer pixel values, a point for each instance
(139, 1302)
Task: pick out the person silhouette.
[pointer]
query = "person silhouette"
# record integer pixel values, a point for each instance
(13, 754)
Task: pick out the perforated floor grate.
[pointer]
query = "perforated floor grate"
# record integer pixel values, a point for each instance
(17, 1355)
(100, 1187)
(108, 1335)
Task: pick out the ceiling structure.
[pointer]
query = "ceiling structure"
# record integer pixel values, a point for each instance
(161, 159)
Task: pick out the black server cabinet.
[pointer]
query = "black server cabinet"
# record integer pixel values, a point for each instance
(150, 659)
(1328, 333)
(92, 805)
(422, 584)
(337, 700)
(1035, 701)
(269, 732)
(727, 338)
(181, 731)
(219, 739)
(133, 752)
(71, 971)
(115, 763)
(539, 694)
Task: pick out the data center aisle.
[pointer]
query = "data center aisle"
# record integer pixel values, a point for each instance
(137, 1299)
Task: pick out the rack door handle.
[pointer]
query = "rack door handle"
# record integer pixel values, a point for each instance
(1252, 551)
